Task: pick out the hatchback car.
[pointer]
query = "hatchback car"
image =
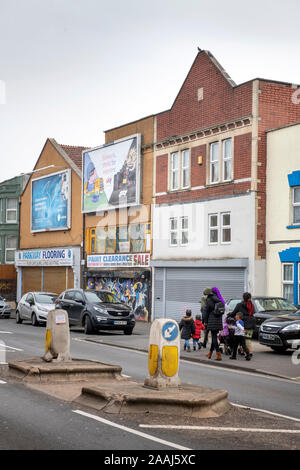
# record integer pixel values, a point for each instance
(266, 308)
(282, 332)
(34, 307)
(5, 308)
(96, 310)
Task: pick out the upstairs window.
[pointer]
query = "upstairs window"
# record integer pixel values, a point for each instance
(10, 248)
(296, 205)
(220, 161)
(219, 228)
(288, 282)
(179, 231)
(180, 170)
(11, 210)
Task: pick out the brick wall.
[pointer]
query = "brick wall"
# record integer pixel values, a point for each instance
(242, 156)
(221, 102)
(198, 173)
(276, 108)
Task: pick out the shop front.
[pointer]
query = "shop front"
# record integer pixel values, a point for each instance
(47, 270)
(128, 276)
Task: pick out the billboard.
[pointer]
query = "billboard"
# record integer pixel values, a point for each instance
(111, 175)
(51, 202)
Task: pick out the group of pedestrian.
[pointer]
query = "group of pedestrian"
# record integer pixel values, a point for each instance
(232, 330)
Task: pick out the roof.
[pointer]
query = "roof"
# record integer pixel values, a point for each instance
(74, 153)
(283, 127)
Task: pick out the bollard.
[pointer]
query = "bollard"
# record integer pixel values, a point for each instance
(57, 343)
(164, 354)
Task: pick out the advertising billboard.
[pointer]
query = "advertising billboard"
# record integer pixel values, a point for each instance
(111, 175)
(51, 202)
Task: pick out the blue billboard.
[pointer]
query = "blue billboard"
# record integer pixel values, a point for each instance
(50, 202)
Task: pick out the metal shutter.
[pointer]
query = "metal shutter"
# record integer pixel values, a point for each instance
(31, 279)
(57, 279)
(184, 288)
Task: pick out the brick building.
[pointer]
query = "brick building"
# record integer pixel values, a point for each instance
(209, 219)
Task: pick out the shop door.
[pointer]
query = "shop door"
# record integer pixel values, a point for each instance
(31, 280)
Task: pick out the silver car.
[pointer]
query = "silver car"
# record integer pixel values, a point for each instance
(5, 308)
(34, 307)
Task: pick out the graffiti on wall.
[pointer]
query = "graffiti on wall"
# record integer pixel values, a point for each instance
(134, 292)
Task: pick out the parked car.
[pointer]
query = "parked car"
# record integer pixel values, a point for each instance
(266, 308)
(34, 307)
(281, 332)
(5, 308)
(96, 310)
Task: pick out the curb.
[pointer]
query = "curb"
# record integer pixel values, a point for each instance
(201, 361)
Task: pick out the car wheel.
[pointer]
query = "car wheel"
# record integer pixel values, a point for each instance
(279, 349)
(18, 317)
(34, 320)
(128, 331)
(88, 327)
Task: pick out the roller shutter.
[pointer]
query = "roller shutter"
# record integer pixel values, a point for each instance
(57, 279)
(31, 279)
(184, 288)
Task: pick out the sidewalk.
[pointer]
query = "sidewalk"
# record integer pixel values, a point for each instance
(264, 361)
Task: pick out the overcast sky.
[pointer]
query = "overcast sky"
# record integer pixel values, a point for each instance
(70, 69)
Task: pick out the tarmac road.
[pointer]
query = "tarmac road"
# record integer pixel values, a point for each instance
(245, 388)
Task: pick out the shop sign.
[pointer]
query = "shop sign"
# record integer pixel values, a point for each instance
(45, 257)
(136, 260)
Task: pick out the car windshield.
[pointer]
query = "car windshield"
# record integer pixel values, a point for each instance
(105, 297)
(273, 304)
(232, 304)
(45, 298)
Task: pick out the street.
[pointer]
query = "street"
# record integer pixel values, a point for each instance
(31, 420)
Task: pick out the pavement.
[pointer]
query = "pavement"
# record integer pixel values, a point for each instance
(264, 361)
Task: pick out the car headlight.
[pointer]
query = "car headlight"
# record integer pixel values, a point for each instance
(101, 310)
(292, 327)
(101, 318)
(42, 309)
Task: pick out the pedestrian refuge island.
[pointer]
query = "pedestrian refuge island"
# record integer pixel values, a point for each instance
(164, 354)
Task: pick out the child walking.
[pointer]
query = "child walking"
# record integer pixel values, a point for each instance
(187, 325)
(197, 335)
(239, 337)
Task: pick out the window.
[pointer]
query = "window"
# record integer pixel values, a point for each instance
(173, 231)
(134, 238)
(288, 281)
(213, 227)
(11, 210)
(184, 229)
(180, 170)
(137, 238)
(1, 210)
(225, 227)
(123, 244)
(220, 170)
(214, 162)
(227, 157)
(185, 174)
(174, 170)
(10, 248)
(296, 205)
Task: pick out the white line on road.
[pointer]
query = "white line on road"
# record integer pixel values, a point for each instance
(265, 411)
(224, 429)
(2, 381)
(6, 332)
(132, 431)
(10, 347)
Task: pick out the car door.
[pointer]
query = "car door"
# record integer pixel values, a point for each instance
(79, 304)
(27, 307)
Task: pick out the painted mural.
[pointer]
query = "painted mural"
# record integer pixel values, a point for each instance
(134, 292)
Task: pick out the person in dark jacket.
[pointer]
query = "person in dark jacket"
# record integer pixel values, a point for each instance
(187, 327)
(207, 291)
(214, 324)
(246, 307)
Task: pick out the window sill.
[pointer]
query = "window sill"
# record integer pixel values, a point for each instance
(292, 226)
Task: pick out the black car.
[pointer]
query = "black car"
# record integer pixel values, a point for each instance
(266, 308)
(282, 332)
(96, 310)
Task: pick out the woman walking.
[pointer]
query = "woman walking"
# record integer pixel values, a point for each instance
(246, 307)
(213, 312)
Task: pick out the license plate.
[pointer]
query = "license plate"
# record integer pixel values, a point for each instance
(119, 322)
(266, 336)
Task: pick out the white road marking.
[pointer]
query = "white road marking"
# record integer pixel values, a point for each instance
(132, 431)
(222, 429)
(6, 332)
(10, 347)
(2, 382)
(266, 411)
